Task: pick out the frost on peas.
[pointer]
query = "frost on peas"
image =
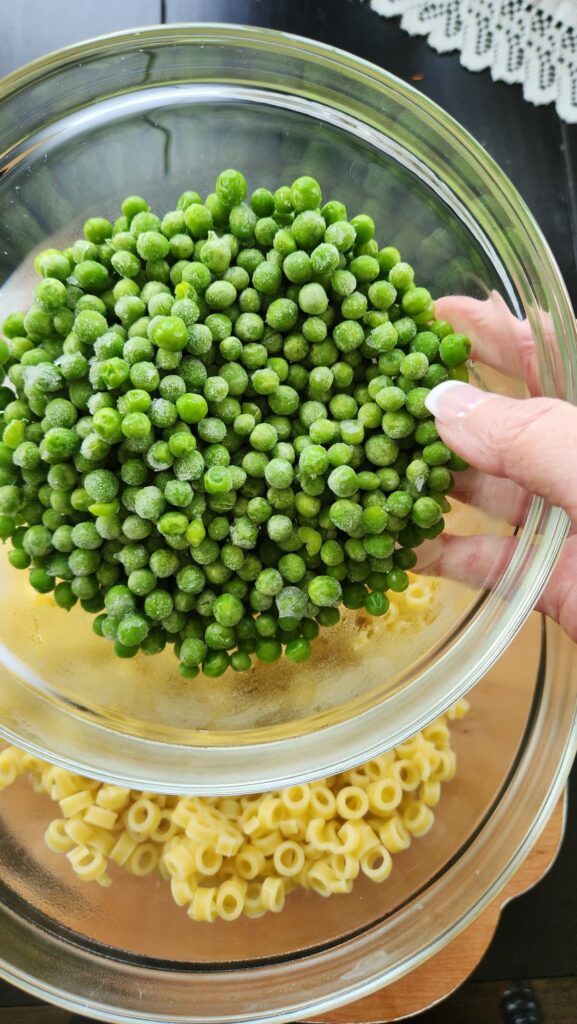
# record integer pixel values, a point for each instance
(219, 423)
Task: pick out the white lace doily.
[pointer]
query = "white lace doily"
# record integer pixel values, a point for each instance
(530, 42)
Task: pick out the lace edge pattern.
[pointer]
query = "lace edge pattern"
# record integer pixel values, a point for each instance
(532, 43)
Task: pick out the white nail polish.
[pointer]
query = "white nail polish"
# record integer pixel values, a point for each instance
(452, 400)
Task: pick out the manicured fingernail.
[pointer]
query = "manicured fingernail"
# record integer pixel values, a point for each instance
(451, 401)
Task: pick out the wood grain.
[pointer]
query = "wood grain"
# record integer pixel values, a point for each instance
(47, 26)
(34, 1015)
(479, 1003)
(443, 973)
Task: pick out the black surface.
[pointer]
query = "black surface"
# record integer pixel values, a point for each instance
(537, 936)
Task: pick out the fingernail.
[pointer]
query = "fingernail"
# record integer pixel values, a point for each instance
(451, 401)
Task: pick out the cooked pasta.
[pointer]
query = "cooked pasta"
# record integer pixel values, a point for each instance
(228, 856)
(416, 607)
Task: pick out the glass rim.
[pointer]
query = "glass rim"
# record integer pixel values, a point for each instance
(359, 736)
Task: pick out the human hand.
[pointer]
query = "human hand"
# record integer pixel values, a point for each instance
(529, 442)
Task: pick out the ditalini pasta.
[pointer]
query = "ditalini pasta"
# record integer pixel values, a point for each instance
(228, 856)
(412, 609)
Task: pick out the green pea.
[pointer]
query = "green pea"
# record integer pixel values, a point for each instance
(185, 420)
(455, 349)
(376, 604)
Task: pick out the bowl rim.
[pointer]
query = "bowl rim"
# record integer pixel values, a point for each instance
(368, 725)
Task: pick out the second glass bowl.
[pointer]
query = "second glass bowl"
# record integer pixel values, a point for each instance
(128, 953)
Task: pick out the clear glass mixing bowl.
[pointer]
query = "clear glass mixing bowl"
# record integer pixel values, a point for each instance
(165, 109)
(128, 954)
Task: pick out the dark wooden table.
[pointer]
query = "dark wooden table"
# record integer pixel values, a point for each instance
(537, 937)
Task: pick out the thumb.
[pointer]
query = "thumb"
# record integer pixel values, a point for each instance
(531, 441)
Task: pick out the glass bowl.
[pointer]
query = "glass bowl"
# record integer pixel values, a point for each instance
(164, 109)
(127, 953)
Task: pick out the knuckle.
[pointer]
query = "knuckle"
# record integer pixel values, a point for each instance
(510, 430)
(523, 435)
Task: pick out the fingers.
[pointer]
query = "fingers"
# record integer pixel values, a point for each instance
(529, 441)
(559, 599)
(479, 561)
(499, 339)
(528, 444)
(500, 498)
